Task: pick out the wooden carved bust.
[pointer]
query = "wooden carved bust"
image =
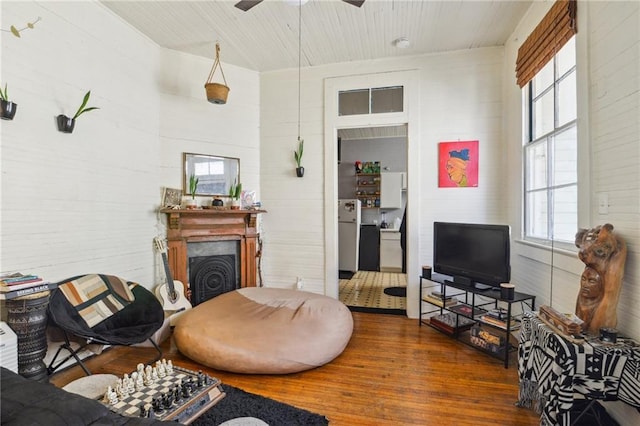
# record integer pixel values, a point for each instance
(604, 253)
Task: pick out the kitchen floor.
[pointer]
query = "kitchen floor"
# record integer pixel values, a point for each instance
(366, 289)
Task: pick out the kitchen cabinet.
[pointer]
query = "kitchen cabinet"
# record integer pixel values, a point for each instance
(390, 251)
(391, 190)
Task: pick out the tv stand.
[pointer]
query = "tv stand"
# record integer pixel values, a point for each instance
(467, 313)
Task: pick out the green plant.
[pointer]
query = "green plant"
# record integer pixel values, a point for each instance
(235, 190)
(3, 94)
(82, 108)
(193, 185)
(298, 153)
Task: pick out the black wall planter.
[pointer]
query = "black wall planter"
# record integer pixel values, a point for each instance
(8, 110)
(299, 171)
(66, 124)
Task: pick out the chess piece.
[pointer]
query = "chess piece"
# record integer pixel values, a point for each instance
(148, 378)
(154, 374)
(111, 396)
(145, 411)
(169, 367)
(162, 372)
(139, 385)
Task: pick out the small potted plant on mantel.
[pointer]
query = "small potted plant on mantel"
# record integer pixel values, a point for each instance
(8, 108)
(66, 124)
(234, 194)
(193, 187)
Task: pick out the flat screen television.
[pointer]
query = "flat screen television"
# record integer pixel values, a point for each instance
(473, 254)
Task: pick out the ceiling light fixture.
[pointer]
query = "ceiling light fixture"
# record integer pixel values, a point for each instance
(402, 43)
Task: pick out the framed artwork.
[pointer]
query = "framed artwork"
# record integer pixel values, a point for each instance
(458, 164)
(171, 197)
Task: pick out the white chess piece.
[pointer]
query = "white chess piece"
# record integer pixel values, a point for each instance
(148, 378)
(169, 367)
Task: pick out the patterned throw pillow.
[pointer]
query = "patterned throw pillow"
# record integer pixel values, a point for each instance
(97, 297)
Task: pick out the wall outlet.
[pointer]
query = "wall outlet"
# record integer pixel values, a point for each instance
(299, 284)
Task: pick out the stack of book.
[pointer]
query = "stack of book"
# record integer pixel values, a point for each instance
(487, 340)
(435, 298)
(498, 318)
(451, 323)
(16, 284)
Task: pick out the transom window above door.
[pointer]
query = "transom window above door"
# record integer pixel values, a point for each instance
(375, 100)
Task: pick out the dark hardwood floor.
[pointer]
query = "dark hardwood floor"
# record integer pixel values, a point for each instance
(393, 372)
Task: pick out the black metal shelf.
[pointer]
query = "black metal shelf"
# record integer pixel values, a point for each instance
(476, 303)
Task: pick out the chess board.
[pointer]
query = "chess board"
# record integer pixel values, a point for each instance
(185, 411)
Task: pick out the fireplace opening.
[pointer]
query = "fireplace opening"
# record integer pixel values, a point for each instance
(213, 269)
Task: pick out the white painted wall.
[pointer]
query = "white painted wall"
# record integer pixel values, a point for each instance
(608, 70)
(460, 98)
(81, 202)
(86, 202)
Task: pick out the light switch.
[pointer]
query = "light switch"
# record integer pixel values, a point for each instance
(603, 203)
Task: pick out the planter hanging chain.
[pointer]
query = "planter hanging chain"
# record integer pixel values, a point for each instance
(216, 93)
(217, 64)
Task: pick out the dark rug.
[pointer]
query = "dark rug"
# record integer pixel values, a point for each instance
(238, 403)
(345, 275)
(396, 291)
(377, 310)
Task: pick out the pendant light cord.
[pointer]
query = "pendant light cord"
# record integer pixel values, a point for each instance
(299, 58)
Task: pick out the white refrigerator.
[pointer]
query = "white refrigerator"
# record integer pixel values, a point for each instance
(349, 218)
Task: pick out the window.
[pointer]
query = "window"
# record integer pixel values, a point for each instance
(376, 100)
(551, 150)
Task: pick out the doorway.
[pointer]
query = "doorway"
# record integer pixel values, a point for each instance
(409, 116)
(372, 176)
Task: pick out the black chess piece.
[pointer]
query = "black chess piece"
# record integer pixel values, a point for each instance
(177, 394)
(156, 404)
(167, 400)
(186, 391)
(145, 410)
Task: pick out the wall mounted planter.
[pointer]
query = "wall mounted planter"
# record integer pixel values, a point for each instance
(8, 110)
(66, 124)
(299, 171)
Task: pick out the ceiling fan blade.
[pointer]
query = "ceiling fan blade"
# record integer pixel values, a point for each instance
(247, 4)
(356, 3)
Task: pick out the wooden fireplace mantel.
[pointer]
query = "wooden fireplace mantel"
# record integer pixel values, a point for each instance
(200, 225)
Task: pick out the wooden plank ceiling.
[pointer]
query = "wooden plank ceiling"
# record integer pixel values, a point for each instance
(265, 38)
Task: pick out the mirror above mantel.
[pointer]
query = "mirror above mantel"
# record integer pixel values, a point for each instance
(215, 173)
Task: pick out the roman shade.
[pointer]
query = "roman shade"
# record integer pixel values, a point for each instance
(555, 29)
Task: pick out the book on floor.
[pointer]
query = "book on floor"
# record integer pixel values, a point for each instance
(8, 295)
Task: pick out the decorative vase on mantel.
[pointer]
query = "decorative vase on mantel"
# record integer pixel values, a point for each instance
(191, 203)
(7, 109)
(235, 204)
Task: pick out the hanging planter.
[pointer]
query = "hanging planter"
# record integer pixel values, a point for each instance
(65, 124)
(297, 155)
(217, 93)
(8, 108)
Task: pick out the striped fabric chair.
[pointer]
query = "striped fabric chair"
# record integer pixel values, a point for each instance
(102, 309)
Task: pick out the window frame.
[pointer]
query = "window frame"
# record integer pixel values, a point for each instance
(548, 138)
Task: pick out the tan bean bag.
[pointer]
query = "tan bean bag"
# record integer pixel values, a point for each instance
(265, 331)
